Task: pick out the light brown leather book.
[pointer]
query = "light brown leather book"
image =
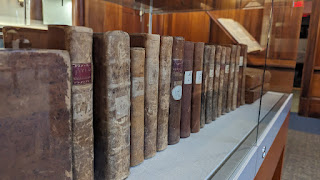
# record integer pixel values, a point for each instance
(111, 104)
(226, 80)
(231, 77)
(254, 77)
(244, 51)
(222, 90)
(254, 94)
(217, 81)
(236, 79)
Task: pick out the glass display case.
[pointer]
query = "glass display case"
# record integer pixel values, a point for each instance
(259, 36)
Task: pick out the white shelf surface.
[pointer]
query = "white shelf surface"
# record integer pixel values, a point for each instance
(199, 155)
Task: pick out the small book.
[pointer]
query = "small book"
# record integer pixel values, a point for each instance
(222, 90)
(236, 79)
(164, 91)
(254, 77)
(151, 43)
(231, 77)
(176, 90)
(209, 59)
(137, 56)
(35, 114)
(111, 61)
(186, 89)
(196, 89)
(217, 82)
(226, 80)
(244, 51)
(254, 94)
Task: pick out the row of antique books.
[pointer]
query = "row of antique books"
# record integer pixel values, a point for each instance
(102, 102)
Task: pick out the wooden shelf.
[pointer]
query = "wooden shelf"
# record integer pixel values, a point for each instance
(259, 61)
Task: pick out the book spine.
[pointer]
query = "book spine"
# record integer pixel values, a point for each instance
(112, 105)
(137, 106)
(209, 55)
(176, 91)
(241, 63)
(222, 90)
(231, 77)
(244, 50)
(236, 79)
(217, 81)
(205, 82)
(197, 84)
(164, 91)
(226, 80)
(186, 89)
(78, 41)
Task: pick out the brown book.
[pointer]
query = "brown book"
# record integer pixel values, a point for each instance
(244, 51)
(151, 43)
(226, 80)
(222, 90)
(78, 41)
(205, 83)
(35, 114)
(231, 76)
(164, 91)
(196, 89)
(186, 89)
(176, 90)
(137, 106)
(254, 77)
(236, 79)
(217, 81)
(111, 104)
(254, 94)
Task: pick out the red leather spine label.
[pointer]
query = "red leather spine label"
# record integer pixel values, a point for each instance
(81, 74)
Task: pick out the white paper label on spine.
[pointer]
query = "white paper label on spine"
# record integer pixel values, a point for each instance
(188, 77)
(227, 69)
(199, 77)
(241, 61)
(177, 92)
(211, 73)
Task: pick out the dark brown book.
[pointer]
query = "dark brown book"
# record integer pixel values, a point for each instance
(164, 91)
(111, 104)
(78, 41)
(236, 79)
(151, 43)
(186, 89)
(254, 94)
(244, 51)
(226, 80)
(35, 114)
(231, 76)
(216, 81)
(254, 77)
(205, 84)
(196, 89)
(137, 106)
(176, 90)
(209, 58)
(222, 90)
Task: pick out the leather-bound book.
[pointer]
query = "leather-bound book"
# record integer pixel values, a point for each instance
(236, 79)
(35, 114)
(222, 90)
(254, 77)
(186, 89)
(151, 43)
(244, 51)
(176, 90)
(231, 76)
(205, 84)
(111, 61)
(78, 41)
(217, 81)
(137, 106)
(164, 91)
(226, 80)
(254, 94)
(210, 55)
(196, 89)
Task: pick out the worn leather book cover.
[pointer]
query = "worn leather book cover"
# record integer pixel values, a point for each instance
(164, 91)
(254, 94)
(254, 77)
(231, 76)
(111, 61)
(176, 90)
(78, 41)
(226, 80)
(217, 82)
(222, 90)
(151, 43)
(35, 114)
(236, 79)
(137, 106)
(186, 89)
(244, 51)
(196, 89)
(205, 84)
